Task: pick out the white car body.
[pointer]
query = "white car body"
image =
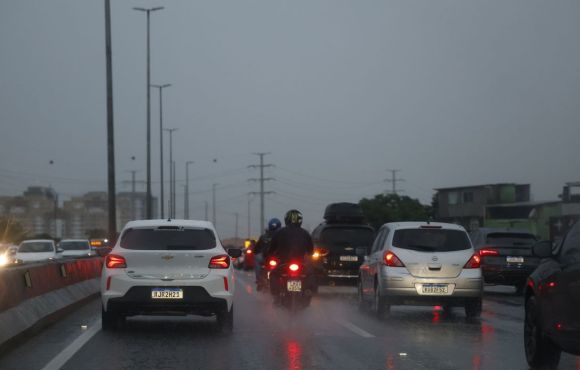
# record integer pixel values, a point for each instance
(129, 290)
(81, 252)
(31, 256)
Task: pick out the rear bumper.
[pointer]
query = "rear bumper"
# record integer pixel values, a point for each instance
(569, 341)
(506, 275)
(138, 301)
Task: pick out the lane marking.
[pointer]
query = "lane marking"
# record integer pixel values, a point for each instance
(355, 329)
(57, 362)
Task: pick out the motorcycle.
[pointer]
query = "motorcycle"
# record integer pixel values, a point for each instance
(294, 282)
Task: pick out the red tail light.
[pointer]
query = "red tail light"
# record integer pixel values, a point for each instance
(219, 262)
(249, 251)
(474, 262)
(113, 261)
(392, 260)
(488, 252)
(294, 267)
(272, 263)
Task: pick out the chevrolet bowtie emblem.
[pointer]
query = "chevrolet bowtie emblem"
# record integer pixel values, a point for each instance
(167, 257)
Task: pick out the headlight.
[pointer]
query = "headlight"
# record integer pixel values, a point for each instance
(3, 260)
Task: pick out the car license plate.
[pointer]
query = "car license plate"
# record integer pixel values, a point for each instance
(349, 258)
(167, 293)
(435, 289)
(515, 259)
(294, 285)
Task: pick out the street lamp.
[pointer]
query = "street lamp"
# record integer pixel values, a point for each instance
(171, 174)
(186, 208)
(161, 87)
(148, 200)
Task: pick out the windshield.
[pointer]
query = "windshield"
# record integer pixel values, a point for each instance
(168, 239)
(511, 239)
(36, 247)
(430, 240)
(74, 245)
(351, 236)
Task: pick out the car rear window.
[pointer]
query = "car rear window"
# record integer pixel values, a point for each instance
(431, 240)
(168, 239)
(352, 236)
(74, 246)
(510, 239)
(36, 247)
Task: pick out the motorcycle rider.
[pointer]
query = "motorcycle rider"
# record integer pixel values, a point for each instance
(262, 247)
(289, 243)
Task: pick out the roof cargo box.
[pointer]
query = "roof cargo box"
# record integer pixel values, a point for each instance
(343, 212)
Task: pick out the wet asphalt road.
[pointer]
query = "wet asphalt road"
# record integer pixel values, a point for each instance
(330, 334)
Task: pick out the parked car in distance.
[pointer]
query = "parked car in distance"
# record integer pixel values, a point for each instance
(552, 302)
(168, 267)
(506, 255)
(8, 255)
(37, 250)
(340, 243)
(76, 248)
(421, 264)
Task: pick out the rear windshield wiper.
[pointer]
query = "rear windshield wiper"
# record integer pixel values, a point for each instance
(421, 247)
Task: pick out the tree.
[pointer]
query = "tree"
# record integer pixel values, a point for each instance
(385, 208)
(11, 231)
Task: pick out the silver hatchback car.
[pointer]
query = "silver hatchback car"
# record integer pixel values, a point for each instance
(421, 263)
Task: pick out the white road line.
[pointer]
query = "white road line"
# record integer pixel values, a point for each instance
(355, 329)
(61, 359)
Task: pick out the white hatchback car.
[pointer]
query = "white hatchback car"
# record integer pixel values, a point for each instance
(168, 267)
(37, 250)
(76, 248)
(424, 264)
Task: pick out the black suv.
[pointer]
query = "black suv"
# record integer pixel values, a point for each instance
(341, 242)
(506, 255)
(552, 296)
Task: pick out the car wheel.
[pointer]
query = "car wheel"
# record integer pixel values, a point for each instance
(520, 288)
(362, 304)
(110, 320)
(380, 307)
(541, 352)
(473, 308)
(225, 321)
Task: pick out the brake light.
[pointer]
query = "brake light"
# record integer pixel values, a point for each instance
(473, 263)
(249, 251)
(294, 267)
(391, 260)
(488, 252)
(114, 261)
(219, 262)
(272, 263)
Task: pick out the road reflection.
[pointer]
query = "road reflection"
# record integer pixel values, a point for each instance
(294, 355)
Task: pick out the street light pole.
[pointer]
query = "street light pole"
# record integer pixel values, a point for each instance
(213, 218)
(112, 203)
(148, 203)
(161, 198)
(186, 205)
(171, 179)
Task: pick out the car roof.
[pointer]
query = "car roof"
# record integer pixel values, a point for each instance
(37, 240)
(170, 222)
(419, 224)
(74, 240)
(489, 230)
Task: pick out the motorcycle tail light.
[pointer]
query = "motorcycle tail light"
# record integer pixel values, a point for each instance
(294, 267)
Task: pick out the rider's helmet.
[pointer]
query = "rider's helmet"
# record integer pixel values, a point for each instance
(274, 224)
(293, 217)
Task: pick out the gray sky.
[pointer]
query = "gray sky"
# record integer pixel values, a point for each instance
(451, 92)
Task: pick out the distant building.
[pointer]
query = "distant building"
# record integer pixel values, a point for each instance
(37, 211)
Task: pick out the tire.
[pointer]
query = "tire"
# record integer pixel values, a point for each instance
(380, 307)
(225, 321)
(362, 304)
(520, 288)
(473, 308)
(541, 352)
(110, 320)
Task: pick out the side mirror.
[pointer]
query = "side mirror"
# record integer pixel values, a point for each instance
(234, 252)
(366, 258)
(542, 249)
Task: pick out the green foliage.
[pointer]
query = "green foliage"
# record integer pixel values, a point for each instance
(11, 231)
(385, 208)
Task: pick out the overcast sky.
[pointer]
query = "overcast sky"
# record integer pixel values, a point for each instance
(450, 92)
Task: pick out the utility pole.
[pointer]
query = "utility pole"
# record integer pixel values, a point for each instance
(112, 221)
(206, 211)
(237, 215)
(162, 200)
(173, 204)
(133, 216)
(250, 198)
(171, 188)
(186, 200)
(262, 179)
(213, 219)
(149, 201)
(394, 180)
